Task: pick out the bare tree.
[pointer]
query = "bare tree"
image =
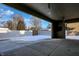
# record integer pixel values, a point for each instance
(21, 25)
(36, 24)
(49, 26)
(9, 25)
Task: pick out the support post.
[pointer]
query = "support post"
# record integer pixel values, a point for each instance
(58, 29)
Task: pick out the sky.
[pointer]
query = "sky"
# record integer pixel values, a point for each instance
(6, 12)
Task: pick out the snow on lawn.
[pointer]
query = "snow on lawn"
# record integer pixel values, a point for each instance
(31, 38)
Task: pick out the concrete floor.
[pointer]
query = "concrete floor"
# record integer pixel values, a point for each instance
(57, 47)
(53, 47)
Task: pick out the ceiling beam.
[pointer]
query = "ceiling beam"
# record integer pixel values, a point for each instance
(72, 20)
(25, 8)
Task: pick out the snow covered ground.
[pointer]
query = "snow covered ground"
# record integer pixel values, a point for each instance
(31, 38)
(72, 37)
(24, 39)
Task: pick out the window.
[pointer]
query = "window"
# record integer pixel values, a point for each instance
(72, 30)
(18, 22)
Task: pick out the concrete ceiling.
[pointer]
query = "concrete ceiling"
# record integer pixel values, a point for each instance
(57, 10)
(68, 11)
(42, 8)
